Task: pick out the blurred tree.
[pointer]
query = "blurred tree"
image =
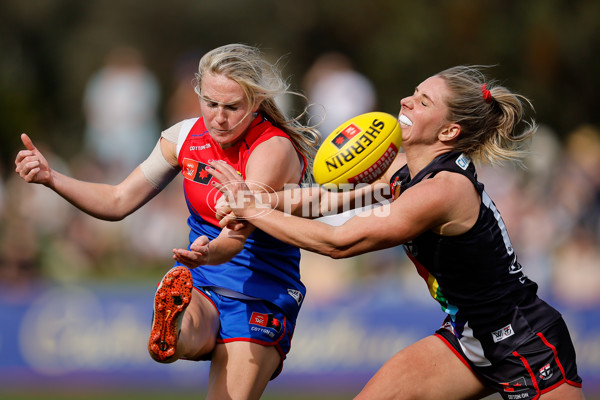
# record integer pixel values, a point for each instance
(545, 49)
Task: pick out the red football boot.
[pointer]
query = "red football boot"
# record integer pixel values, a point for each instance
(173, 295)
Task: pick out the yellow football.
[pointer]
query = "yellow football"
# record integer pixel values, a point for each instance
(358, 151)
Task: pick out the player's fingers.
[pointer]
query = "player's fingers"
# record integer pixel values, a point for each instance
(222, 208)
(29, 177)
(23, 155)
(229, 220)
(227, 194)
(237, 225)
(224, 172)
(27, 142)
(183, 256)
(203, 240)
(25, 168)
(200, 245)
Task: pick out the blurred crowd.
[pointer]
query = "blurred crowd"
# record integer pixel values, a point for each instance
(551, 207)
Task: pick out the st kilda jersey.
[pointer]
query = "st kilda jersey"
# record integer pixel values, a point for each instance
(266, 268)
(492, 306)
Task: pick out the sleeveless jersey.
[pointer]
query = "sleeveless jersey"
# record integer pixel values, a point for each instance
(492, 306)
(266, 268)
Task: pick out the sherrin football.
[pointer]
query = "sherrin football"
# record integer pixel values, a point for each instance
(358, 151)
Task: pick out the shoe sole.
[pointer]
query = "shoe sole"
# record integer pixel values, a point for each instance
(173, 295)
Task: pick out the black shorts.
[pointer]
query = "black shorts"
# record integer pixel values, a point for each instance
(539, 365)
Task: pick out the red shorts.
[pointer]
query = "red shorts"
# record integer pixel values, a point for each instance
(539, 365)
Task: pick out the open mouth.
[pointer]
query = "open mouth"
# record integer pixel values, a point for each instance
(404, 120)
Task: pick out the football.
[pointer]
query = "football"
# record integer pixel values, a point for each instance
(358, 151)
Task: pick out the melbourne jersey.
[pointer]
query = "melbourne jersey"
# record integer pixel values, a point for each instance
(492, 306)
(266, 268)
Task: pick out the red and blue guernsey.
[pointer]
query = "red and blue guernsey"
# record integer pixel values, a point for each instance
(266, 268)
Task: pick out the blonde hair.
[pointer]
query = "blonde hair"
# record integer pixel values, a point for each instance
(488, 123)
(261, 82)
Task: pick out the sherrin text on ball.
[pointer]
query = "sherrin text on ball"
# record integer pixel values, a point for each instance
(358, 151)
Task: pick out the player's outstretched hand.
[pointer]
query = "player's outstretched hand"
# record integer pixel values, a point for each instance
(31, 165)
(196, 255)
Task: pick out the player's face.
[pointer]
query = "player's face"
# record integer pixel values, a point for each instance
(423, 115)
(225, 108)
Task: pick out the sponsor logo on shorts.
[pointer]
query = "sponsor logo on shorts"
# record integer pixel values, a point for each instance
(546, 372)
(503, 333)
(518, 396)
(514, 387)
(296, 294)
(266, 321)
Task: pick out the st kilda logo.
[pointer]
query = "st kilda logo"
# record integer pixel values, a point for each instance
(546, 372)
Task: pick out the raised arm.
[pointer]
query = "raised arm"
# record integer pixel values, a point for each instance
(107, 202)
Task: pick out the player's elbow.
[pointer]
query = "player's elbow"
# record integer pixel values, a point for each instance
(336, 254)
(110, 216)
(115, 210)
(336, 249)
(116, 218)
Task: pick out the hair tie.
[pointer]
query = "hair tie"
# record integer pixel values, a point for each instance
(487, 96)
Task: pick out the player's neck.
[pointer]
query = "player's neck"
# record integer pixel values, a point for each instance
(418, 158)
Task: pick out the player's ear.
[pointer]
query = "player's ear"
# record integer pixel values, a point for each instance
(449, 133)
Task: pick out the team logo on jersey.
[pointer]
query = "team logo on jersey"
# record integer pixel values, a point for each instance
(345, 135)
(266, 321)
(503, 333)
(517, 385)
(195, 171)
(296, 294)
(546, 372)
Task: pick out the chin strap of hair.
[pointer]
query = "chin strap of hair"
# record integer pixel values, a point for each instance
(487, 96)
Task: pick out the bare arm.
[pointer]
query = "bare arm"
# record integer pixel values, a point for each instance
(107, 202)
(315, 201)
(446, 204)
(218, 251)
